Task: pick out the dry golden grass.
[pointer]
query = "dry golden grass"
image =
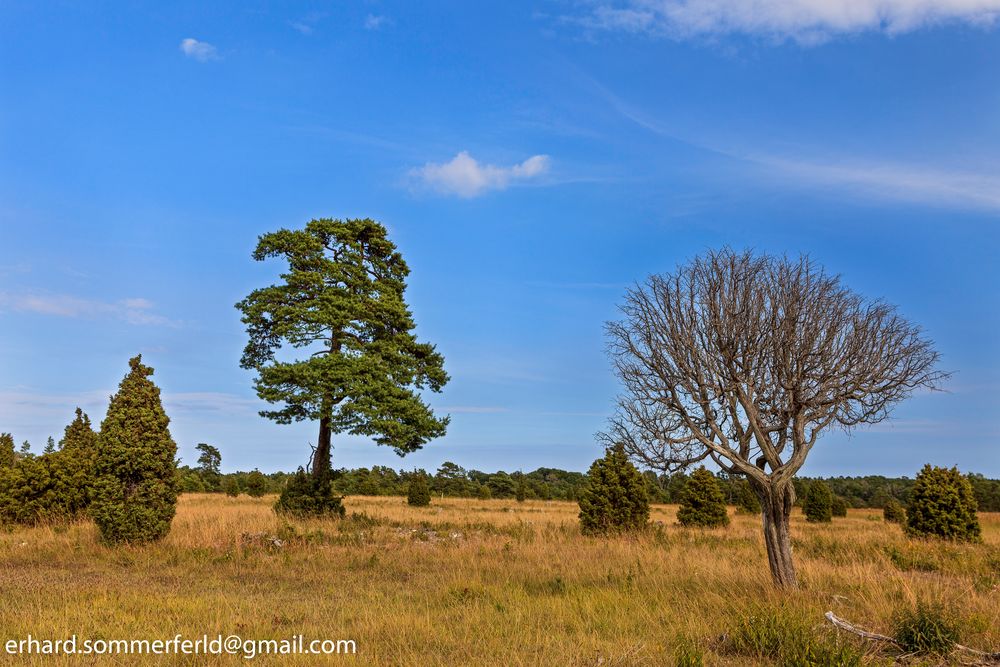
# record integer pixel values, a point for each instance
(467, 582)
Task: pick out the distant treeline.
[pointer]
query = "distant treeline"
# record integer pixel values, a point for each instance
(453, 481)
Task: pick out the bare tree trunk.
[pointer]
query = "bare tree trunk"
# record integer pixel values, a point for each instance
(321, 457)
(776, 500)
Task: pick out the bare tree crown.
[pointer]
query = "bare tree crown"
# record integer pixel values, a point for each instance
(745, 359)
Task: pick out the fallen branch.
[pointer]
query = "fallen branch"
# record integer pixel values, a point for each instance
(844, 625)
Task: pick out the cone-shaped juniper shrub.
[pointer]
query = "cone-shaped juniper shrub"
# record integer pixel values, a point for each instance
(256, 484)
(135, 489)
(72, 468)
(614, 499)
(942, 504)
(419, 492)
(703, 503)
(818, 505)
(231, 487)
(838, 506)
(7, 454)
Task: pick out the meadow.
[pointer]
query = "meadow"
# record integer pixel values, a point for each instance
(466, 582)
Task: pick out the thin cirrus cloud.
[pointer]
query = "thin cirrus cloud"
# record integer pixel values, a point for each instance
(804, 21)
(861, 177)
(135, 311)
(197, 50)
(464, 176)
(31, 413)
(890, 180)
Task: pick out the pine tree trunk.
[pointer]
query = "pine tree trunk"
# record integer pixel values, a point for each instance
(321, 457)
(776, 502)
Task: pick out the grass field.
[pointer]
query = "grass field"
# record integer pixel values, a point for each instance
(467, 582)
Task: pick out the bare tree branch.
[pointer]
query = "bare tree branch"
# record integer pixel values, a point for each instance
(747, 359)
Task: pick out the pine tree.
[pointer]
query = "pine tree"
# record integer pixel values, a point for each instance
(942, 505)
(361, 370)
(50, 446)
(893, 511)
(838, 506)
(209, 462)
(256, 484)
(747, 501)
(614, 498)
(703, 503)
(25, 450)
(419, 492)
(136, 472)
(818, 505)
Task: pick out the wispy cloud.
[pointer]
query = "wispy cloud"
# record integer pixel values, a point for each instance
(24, 410)
(15, 268)
(307, 24)
(464, 176)
(865, 177)
(200, 51)
(890, 180)
(133, 311)
(374, 21)
(804, 21)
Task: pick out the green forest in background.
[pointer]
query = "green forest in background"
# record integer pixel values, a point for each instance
(453, 481)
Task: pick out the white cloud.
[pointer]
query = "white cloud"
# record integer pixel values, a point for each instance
(464, 176)
(201, 51)
(304, 28)
(133, 311)
(805, 21)
(374, 22)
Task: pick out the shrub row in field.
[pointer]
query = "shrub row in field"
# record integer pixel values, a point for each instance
(124, 476)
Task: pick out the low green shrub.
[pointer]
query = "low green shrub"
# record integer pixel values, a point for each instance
(231, 487)
(893, 511)
(926, 628)
(942, 504)
(310, 495)
(781, 637)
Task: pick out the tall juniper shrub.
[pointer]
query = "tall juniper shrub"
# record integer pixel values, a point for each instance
(703, 503)
(135, 487)
(614, 498)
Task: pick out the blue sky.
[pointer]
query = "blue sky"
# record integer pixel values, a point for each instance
(531, 160)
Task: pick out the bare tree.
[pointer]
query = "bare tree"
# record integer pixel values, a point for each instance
(745, 359)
